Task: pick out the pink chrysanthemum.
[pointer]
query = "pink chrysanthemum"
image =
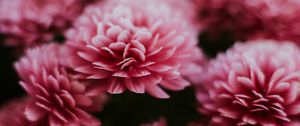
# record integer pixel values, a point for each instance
(57, 98)
(27, 22)
(128, 46)
(275, 19)
(257, 83)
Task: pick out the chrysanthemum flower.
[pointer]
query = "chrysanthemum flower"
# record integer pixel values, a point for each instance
(247, 19)
(27, 22)
(57, 98)
(257, 83)
(128, 46)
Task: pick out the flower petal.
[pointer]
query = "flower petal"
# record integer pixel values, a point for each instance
(156, 91)
(33, 112)
(134, 87)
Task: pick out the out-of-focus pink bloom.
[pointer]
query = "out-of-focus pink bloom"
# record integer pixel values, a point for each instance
(137, 45)
(161, 122)
(186, 7)
(57, 98)
(27, 22)
(257, 83)
(248, 19)
(12, 113)
(193, 72)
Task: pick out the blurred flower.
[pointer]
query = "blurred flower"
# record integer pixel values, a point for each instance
(140, 46)
(12, 113)
(186, 7)
(27, 22)
(257, 83)
(57, 98)
(249, 19)
(194, 71)
(161, 122)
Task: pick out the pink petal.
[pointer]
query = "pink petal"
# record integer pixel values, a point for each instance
(77, 87)
(86, 69)
(104, 66)
(294, 109)
(123, 36)
(155, 52)
(143, 36)
(68, 98)
(134, 87)
(164, 55)
(41, 90)
(92, 49)
(138, 53)
(138, 45)
(33, 112)
(58, 100)
(150, 80)
(230, 113)
(115, 87)
(122, 74)
(156, 91)
(292, 94)
(249, 120)
(113, 32)
(175, 84)
(139, 72)
(110, 52)
(86, 119)
(100, 41)
(87, 56)
(83, 100)
(168, 37)
(117, 46)
(280, 87)
(100, 75)
(64, 82)
(53, 83)
(275, 77)
(126, 51)
(160, 68)
(96, 89)
(128, 63)
(246, 82)
(44, 106)
(28, 88)
(53, 121)
(60, 116)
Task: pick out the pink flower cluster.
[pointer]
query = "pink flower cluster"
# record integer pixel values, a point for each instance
(256, 83)
(249, 19)
(29, 22)
(147, 47)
